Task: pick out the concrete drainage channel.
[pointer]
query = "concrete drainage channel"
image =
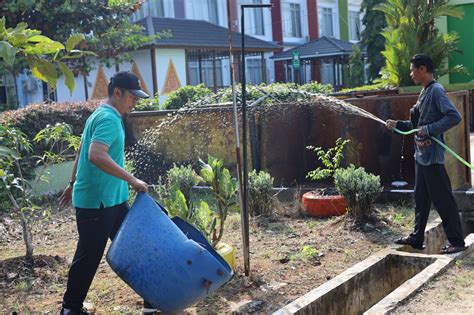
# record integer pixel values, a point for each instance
(380, 283)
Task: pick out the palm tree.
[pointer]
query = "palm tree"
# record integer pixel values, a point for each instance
(411, 29)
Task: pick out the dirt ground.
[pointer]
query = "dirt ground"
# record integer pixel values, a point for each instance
(450, 293)
(290, 255)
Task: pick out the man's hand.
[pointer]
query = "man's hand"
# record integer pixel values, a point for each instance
(391, 124)
(139, 185)
(65, 199)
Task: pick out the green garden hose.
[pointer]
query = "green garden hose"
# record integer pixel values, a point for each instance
(463, 161)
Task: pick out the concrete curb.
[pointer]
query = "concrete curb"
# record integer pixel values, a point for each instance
(348, 293)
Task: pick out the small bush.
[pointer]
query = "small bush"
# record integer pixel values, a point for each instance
(369, 87)
(182, 178)
(260, 193)
(148, 104)
(185, 94)
(331, 160)
(33, 118)
(280, 92)
(316, 87)
(359, 188)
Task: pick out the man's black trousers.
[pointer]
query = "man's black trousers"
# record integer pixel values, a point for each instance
(95, 227)
(432, 184)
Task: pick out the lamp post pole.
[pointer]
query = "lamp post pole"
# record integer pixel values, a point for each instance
(244, 212)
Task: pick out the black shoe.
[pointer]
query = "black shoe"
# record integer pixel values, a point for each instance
(81, 311)
(451, 249)
(408, 240)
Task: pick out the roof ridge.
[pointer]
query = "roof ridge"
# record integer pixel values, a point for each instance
(332, 41)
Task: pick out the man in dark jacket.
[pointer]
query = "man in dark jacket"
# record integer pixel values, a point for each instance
(433, 114)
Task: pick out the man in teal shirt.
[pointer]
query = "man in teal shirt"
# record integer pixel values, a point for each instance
(99, 186)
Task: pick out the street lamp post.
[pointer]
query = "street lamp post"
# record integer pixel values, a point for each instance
(244, 212)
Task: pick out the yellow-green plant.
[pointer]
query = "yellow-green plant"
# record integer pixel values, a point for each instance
(224, 189)
(42, 54)
(331, 160)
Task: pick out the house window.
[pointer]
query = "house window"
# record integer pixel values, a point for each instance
(354, 25)
(292, 19)
(156, 8)
(213, 13)
(327, 73)
(8, 97)
(325, 22)
(254, 19)
(206, 72)
(150, 8)
(254, 71)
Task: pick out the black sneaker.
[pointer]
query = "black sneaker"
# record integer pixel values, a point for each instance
(81, 311)
(408, 240)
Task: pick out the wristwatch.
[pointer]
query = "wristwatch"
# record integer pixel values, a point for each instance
(71, 183)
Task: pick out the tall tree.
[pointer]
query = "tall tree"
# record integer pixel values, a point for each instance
(374, 22)
(411, 29)
(356, 67)
(105, 23)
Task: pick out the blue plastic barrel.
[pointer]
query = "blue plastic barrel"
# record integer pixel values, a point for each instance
(167, 262)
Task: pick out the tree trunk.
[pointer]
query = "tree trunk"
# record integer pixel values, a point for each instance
(27, 237)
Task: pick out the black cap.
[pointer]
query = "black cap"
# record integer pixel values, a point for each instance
(127, 81)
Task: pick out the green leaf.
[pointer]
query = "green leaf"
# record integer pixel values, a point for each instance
(44, 48)
(7, 152)
(7, 52)
(44, 71)
(18, 39)
(73, 41)
(39, 39)
(207, 175)
(68, 76)
(2, 25)
(2, 173)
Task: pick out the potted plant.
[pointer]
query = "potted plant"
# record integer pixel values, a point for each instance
(326, 201)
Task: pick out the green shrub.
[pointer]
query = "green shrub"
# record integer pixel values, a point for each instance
(182, 178)
(359, 188)
(260, 193)
(331, 159)
(369, 87)
(280, 92)
(33, 118)
(186, 94)
(148, 104)
(316, 87)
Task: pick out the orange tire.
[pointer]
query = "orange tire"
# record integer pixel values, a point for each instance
(323, 206)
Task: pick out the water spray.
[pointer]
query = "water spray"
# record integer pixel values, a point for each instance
(344, 107)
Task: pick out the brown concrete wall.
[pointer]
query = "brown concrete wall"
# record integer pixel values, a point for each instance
(284, 130)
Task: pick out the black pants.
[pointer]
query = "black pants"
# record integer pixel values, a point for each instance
(95, 227)
(432, 184)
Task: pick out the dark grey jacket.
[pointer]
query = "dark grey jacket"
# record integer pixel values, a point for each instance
(435, 114)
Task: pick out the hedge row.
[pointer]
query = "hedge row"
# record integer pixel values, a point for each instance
(201, 95)
(35, 117)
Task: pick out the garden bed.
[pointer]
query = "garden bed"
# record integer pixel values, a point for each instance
(290, 255)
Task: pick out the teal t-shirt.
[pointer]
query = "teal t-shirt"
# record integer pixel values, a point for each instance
(93, 186)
